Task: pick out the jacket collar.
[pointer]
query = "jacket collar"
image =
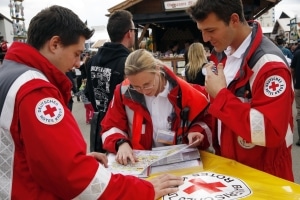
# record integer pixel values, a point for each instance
(27, 55)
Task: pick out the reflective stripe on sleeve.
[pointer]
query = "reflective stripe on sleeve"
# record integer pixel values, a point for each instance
(256, 118)
(261, 62)
(9, 102)
(112, 131)
(257, 128)
(97, 186)
(8, 147)
(208, 135)
(289, 136)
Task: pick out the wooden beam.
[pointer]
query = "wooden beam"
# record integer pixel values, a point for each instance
(143, 33)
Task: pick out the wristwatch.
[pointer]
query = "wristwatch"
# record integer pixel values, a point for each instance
(119, 143)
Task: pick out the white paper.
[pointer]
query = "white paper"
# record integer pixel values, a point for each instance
(146, 159)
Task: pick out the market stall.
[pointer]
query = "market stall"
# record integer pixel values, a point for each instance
(169, 22)
(163, 22)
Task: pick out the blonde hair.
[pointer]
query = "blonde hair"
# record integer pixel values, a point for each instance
(141, 60)
(196, 58)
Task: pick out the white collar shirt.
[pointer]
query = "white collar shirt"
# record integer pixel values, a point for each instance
(160, 109)
(234, 61)
(232, 66)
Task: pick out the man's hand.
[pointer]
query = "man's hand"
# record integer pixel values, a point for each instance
(101, 157)
(165, 184)
(124, 154)
(214, 81)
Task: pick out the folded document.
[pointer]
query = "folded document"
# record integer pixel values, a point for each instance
(158, 160)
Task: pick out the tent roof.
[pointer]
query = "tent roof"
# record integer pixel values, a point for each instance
(252, 9)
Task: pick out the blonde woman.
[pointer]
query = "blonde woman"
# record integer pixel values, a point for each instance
(152, 108)
(196, 59)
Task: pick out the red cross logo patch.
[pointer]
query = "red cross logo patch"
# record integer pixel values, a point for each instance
(210, 185)
(274, 86)
(49, 111)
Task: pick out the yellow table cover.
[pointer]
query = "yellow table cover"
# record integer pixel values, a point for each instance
(248, 183)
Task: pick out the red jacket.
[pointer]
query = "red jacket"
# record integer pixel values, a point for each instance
(257, 127)
(41, 144)
(133, 118)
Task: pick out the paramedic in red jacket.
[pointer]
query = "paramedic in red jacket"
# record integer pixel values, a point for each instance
(252, 95)
(42, 151)
(153, 108)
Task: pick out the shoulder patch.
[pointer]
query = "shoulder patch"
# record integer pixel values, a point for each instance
(49, 111)
(274, 86)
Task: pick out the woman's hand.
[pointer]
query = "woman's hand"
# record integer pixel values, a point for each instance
(195, 138)
(124, 154)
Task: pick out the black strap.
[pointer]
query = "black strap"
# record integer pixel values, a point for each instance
(96, 143)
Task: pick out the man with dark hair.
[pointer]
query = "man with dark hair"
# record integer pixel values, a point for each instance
(106, 69)
(250, 88)
(42, 151)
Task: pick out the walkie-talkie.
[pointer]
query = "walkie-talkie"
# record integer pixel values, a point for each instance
(184, 114)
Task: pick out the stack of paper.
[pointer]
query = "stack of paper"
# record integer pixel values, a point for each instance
(188, 157)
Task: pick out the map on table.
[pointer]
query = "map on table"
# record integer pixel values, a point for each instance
(146, 159)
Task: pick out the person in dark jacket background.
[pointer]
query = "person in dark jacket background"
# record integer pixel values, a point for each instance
(106, 69)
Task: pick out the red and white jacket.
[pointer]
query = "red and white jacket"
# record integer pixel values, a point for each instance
(128, 118)
(256, 109)
(42, 151)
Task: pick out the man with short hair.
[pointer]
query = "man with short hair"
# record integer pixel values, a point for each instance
(106, 69)
(42, 151)
(250, 88)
